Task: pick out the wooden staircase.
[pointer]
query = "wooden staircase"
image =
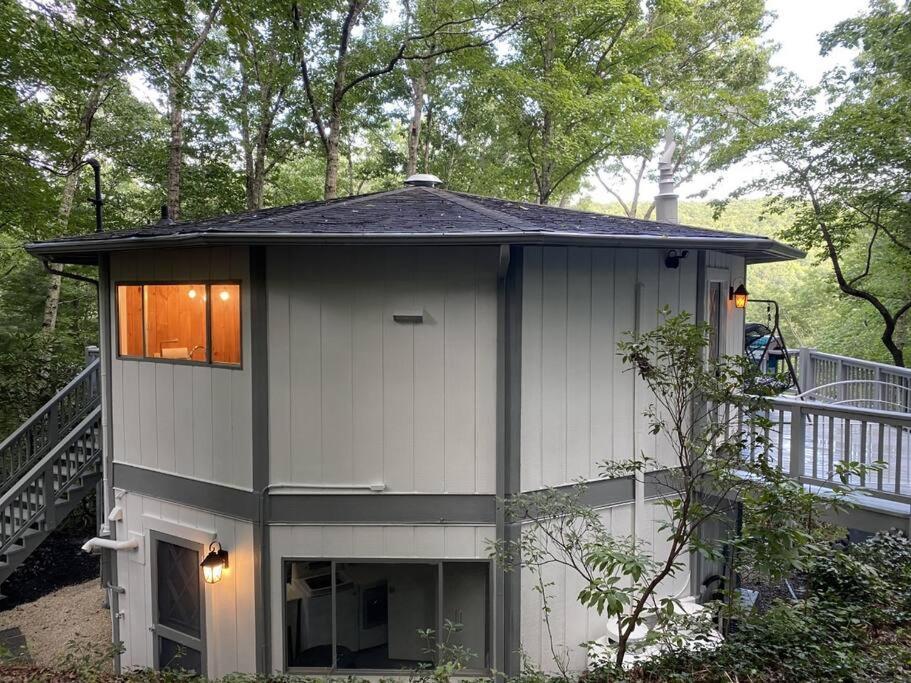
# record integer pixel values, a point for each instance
(48, 466)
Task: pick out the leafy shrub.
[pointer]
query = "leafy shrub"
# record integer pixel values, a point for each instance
(853, 625)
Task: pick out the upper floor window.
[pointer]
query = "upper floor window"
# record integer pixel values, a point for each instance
(192, 322)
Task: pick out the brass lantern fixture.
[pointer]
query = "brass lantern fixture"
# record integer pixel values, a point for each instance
(215, 563)
(739, 296)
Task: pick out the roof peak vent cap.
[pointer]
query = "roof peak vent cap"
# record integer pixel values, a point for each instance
(423, 180)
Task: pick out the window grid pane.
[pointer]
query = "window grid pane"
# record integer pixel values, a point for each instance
(129, 317)
(178, 589)
(225, 316)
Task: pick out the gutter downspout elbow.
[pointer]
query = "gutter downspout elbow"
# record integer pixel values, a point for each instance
(91, 544)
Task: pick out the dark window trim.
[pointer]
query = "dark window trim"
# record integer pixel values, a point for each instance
(439, 562)
(167, 632)
(207, 283)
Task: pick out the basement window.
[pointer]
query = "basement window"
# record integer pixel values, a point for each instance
(193, 322)
(359, 616)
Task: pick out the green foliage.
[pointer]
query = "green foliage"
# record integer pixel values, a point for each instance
(33, 365)
(853, 625)
(842, 170)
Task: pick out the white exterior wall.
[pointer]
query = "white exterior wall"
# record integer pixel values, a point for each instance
(229, 611)
(578, 401)
(581, 407)
(357, 398)
(334, 542)
(191, 420)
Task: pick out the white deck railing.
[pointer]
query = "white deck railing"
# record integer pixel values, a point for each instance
(809, 437)
(841, 380)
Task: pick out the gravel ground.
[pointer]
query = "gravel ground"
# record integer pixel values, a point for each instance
(50, 623)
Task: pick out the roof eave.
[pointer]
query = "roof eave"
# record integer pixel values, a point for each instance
(85, 252)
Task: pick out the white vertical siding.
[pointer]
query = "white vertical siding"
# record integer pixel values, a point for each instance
(569, 625)
(578, 407)
(190, 420)
(368, 542)
(229, 612)
(357, 398)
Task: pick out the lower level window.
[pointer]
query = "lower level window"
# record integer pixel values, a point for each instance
(385, 616)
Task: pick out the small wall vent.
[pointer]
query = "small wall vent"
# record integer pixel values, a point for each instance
(413, 317)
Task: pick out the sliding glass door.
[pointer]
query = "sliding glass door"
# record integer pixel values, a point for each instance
(385, 616)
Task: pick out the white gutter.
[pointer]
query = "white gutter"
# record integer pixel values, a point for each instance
(223, 237)
(92, 543)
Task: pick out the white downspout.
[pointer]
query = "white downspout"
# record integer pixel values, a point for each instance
(92, 543)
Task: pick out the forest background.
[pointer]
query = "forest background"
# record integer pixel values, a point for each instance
(220, 106)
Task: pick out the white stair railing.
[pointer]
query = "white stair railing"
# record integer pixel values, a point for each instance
(50, 423)
(30, 503)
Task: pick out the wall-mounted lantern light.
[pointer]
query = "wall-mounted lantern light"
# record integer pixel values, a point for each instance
(739, 296)
(215, 563)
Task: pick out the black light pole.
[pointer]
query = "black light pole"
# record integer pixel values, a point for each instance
(97, 200)
(99, 225)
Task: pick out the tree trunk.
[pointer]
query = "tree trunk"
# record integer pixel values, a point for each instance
(258, 180)
(330, 188)
(418, 86)
(175, 149)
(543, 172)
(245, 141)
(177, 76)
(52, 297)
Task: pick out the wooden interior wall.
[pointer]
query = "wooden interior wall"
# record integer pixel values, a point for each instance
(175, 318)
(129, 317)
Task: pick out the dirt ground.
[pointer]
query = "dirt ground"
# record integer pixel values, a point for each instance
(50, 623)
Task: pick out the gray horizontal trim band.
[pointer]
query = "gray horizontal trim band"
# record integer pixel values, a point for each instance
(319, 508)
(383, 508)
(346, 508)
(602, 492)
(223, 500)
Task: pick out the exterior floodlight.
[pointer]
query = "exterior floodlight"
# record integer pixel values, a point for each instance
(739, 296)
(215, 563)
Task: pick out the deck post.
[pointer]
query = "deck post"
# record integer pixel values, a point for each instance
(798, 443)
(805, 370)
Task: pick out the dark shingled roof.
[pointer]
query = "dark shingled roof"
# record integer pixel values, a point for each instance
(417, 214)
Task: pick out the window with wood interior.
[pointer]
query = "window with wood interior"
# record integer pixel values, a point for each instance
(191, 322)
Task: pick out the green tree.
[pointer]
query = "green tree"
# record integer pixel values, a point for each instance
(715, 63)
(349, 49)
(845, 171)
